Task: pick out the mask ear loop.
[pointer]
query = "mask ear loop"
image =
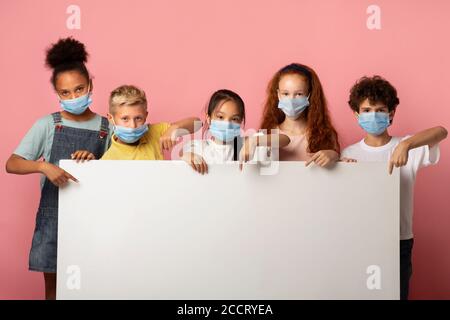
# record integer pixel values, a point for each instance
(113, 122)
(205, 129)
(390, 120)
(59, 97)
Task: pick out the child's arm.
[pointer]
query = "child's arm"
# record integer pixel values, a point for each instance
(188, 124)
(178, 129)
(266, 140)
(429, 137)
(55, 174)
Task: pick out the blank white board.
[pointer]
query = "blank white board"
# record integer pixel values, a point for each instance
(159, 230)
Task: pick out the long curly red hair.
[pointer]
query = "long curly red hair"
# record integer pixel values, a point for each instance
(320, 132)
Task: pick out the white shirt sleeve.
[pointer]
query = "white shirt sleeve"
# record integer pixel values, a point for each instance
(423, 156)
(427, 156)
(345, 153)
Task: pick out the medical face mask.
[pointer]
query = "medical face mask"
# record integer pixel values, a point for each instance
(374, 122)
(224, 130)
(293, 107)
(78, 105)
(130, 135)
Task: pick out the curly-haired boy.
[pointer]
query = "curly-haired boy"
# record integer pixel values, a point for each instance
(374, 101)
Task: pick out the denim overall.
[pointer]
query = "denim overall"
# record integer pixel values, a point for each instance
(66, 141)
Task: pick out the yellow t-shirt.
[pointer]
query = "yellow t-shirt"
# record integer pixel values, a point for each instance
(148, 147)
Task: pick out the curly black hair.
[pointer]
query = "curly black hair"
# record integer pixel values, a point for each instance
(67, 55)
(376, 89)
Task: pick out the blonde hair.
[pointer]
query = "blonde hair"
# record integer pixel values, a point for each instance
(126, 95)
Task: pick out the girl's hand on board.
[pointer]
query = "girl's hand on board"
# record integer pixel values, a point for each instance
(56, 175)
(348, 160)
(82, 155)
(323, 158)
(196, 162)
(248, 150)
(399, 157)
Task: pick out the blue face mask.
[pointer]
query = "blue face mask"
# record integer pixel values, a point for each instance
(77, 105)
(224, 130)
(130, 135)
(293, 107)
(374, 122)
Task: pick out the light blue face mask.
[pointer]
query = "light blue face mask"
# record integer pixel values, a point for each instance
(130, 135)
(293, 107)
(374, 122)
(78, 105)
(224, 130)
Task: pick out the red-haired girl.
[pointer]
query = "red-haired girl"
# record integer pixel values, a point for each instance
(296, 105)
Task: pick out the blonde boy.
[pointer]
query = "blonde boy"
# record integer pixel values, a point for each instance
(133, 138)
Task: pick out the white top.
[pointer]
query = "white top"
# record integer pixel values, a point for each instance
(210, 151)
(215, 153)
(417, 158)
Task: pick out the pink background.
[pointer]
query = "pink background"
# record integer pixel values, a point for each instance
(181, 51)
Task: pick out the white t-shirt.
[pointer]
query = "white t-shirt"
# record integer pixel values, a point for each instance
(215, 153)
(210, 151)
(417, 158)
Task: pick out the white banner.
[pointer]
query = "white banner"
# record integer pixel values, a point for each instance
(159, 230)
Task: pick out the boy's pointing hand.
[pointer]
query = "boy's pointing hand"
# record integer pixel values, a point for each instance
(399, 157)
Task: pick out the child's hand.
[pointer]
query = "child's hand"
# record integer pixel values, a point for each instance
(323, 158)
(56, 175)
(348, 160)
(169, 138)
(247, 151)
(399, 157)
(82, 155)
(196, 162)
